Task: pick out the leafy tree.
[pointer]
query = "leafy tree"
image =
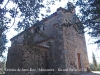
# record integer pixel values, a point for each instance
(30, 11)
(27, 10)
(98, 67)
(93, 68)
(1, 1)
(90, 16)
(3, 21)
(94, 62)
(2, 67)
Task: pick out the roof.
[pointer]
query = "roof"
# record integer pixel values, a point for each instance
(44, 20)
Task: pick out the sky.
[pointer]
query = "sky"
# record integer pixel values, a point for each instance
(90, 47)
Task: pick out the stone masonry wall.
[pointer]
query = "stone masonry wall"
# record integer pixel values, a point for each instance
(21, 58)
(74, 43)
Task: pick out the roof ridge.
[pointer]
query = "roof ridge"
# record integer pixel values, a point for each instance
(45, 19)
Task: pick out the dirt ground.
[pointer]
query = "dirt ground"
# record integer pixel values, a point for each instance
(92, 73)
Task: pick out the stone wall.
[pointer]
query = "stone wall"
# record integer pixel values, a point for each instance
(74, 43)
(20, 57)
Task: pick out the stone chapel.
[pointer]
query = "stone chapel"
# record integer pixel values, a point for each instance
(52, 50)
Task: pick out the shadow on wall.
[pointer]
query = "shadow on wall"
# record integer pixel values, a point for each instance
(2, 74)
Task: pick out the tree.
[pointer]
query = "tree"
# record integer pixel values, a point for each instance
(2, 66)
(3, 27)
(27, 10)
(94, 62)
(90, 17)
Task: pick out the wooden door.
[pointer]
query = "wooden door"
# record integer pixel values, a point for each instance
(79, 60)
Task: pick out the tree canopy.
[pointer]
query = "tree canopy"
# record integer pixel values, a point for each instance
(29, 11)
(90, 17)
(3, 26)
(94, 61)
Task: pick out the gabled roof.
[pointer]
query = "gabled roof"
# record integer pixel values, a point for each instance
(44, 20)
